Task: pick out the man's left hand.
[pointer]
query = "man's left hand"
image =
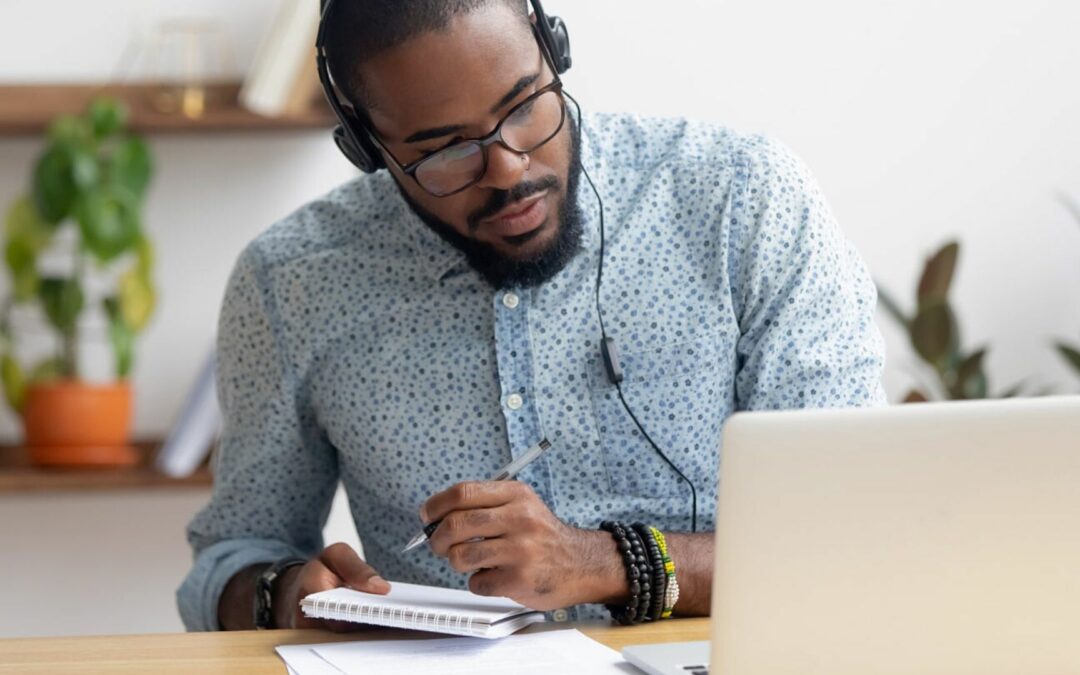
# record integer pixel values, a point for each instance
(513, 546)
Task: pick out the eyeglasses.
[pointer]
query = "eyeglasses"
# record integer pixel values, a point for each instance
(529, 125)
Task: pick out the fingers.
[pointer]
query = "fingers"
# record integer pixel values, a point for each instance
(470, 495)
(351, 570)
(478, 555)
(338, 565)
(492, 582)
(461, 526)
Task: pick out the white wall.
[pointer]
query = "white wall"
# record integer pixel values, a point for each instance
(103, 563)
(923, 119)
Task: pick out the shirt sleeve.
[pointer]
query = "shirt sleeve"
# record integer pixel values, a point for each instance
(804, 299)
(274, 474)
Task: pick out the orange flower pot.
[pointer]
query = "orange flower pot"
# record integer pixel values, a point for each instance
(73, 423)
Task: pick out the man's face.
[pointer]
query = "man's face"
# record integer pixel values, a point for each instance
(458, 84)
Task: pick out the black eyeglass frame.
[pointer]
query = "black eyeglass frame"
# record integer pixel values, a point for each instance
(491, 139)
(494, 137)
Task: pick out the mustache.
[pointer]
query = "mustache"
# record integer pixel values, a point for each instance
(500, 199)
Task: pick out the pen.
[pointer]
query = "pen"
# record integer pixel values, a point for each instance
(506, 473)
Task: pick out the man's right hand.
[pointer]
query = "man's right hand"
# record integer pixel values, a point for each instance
(338, 565)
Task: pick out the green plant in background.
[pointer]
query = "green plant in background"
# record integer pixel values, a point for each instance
(935, 334)
(1069, 352)
(91, 177)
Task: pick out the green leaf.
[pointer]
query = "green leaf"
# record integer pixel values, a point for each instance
(892, 307)
(84, 168)
(1013, 391)
(938, 275)
(933, 332)
(109, 222)
(144, 261)
(137, 299)
(131, 166)
(22, 263)
(63, 301)
(47, 370)
(69, 130)
(971, 378)
(14, 382)
(1071, 354)
(107, 116)
(122, 338)
(54, 187)
(24, 222)
(975, 387)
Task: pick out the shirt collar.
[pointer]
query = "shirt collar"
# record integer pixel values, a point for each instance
(436, 256)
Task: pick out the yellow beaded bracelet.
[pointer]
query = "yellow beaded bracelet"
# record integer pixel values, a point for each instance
(672, 594)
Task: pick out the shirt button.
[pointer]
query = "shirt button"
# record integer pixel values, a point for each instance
(511, 300)
(560, 615)
(514, 401)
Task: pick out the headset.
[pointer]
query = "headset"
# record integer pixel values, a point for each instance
(353, 134)
(353, 138)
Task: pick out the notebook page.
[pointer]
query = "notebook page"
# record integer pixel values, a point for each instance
(452, 601)
(566, 652)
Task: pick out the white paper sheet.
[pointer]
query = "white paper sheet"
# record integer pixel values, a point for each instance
(301, 660)
(565, 652)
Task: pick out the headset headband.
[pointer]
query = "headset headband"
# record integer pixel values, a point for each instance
(353, 136)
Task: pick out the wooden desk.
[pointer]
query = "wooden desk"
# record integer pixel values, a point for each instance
(252, 652)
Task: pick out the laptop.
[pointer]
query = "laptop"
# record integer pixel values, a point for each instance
(931, 539)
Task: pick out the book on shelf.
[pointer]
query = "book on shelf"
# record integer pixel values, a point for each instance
(196, 429)
(283, 78)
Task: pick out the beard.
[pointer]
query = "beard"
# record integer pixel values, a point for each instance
(506, 271)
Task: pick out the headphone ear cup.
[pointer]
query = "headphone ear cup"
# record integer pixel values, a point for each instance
(561, 48)
(363, 157)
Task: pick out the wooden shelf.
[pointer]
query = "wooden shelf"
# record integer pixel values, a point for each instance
(18, 475)
(28, 109)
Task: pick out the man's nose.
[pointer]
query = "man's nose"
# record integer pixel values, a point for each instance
(505, 168)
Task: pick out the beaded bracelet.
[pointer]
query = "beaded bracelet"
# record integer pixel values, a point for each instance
(671, 594)
(628, 614)
(645, 573)
(659, 575)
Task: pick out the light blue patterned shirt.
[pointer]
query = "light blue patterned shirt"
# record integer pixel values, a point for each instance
(357, 345)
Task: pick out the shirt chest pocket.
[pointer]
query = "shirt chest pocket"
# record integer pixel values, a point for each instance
(681, 394)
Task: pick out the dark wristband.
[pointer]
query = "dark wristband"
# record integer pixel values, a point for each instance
(637, 573)
(659, 575)
(264, 591)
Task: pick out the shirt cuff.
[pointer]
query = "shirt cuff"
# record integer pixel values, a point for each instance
(199, 594)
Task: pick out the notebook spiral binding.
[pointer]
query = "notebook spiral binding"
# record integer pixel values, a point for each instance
(396, 617)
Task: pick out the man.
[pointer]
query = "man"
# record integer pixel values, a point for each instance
(417, 328)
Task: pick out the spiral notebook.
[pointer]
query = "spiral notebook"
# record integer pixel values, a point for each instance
(428, 608)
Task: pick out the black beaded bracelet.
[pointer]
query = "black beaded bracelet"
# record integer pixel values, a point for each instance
(645, 577)
(627, 614)
(659, 574)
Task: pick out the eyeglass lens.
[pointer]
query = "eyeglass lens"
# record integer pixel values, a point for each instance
(524, 130)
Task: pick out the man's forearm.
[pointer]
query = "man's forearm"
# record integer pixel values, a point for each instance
(693, 556)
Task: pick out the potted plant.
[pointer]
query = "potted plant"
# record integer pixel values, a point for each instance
(83, 210)
(935, 335)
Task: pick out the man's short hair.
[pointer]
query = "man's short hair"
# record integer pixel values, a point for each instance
(359, 30)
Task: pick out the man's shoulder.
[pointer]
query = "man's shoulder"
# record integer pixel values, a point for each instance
(643, 141)
(354, 215)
